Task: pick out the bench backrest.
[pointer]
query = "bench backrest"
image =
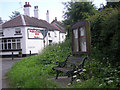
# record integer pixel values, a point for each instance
(77, 61)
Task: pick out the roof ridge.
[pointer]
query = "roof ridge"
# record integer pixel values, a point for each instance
(23, 20)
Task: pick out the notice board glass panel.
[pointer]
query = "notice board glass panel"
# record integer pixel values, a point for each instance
(75, 40)
(83, 46)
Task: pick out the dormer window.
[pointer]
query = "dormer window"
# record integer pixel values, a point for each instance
(18, 31)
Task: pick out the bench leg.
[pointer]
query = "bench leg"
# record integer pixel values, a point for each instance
(57, 75)
(72, 79)
(81, 77)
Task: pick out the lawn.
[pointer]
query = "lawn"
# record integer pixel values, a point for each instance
(35, 71)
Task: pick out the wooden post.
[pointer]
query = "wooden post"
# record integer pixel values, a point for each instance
(89, 47)
(12, 56)
(30, 52)
(44, 41)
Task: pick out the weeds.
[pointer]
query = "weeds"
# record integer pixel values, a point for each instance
(35, 71)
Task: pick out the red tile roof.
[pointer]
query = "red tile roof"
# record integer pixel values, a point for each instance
(13, 23)
(58, 25)
(29, 21)
(58, 28)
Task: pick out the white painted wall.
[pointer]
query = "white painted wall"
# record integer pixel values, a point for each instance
(62, 37)
(10, 32)
(33, 45)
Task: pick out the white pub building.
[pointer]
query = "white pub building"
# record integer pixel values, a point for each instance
(29, 34)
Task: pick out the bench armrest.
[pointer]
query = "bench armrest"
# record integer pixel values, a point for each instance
(81, 65)
(61, 64)
(73, 66)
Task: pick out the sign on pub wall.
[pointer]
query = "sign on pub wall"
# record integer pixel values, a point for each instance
(34, 34)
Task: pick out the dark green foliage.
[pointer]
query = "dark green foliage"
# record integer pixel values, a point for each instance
(36, 71)
(113, 4)
(14, 14)
(77, 11)
(104, 29)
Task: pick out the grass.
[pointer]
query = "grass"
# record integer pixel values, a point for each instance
(35, 71)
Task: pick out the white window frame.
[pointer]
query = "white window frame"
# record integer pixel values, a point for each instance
(55, 34)
(11, 42)
(18, 31)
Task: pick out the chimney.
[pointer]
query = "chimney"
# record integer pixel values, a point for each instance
(55, 18)
(47, 16)
(27, 9)
(36, 15)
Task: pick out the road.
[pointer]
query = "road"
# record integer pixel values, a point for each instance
(6, 65)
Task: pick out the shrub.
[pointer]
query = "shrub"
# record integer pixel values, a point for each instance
(105, 29)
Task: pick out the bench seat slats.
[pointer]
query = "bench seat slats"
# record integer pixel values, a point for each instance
(65, 70)
(70, 65)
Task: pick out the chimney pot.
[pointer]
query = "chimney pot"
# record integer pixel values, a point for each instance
(25, 3)
(27, 8)
(47, 11)
(55, 18)
(36, 14)
(47, 16)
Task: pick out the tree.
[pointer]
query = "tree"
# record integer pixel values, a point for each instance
(15, 13)
(105, 35)
(113, 4)
(1, 21)
(77, 11)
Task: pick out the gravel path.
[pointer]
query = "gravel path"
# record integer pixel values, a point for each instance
(6, 65)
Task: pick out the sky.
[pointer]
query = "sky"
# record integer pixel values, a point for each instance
(55, 8)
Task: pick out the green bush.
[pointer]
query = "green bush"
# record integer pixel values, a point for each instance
(104, 30)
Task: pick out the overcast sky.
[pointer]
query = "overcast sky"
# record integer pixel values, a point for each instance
(55, 8)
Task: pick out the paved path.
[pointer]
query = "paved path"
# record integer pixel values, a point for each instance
(6, 65)
(62, 80)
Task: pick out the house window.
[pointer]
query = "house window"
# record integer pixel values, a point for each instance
(63, 36)
(13, 44)
(18, 31)
(0, 44)
(8, 44)
(50, 42)
(18, 44)
(55, 34)
(49, 35)
(1, 32)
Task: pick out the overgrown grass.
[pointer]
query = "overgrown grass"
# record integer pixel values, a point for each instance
(35, 71)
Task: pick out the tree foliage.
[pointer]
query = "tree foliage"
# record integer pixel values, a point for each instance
(14, 14)
(104, 28)
(77, 11)
(1, 21)
(113, 4)
(105, 35)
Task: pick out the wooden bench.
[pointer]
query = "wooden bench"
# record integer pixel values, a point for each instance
(71, 66)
